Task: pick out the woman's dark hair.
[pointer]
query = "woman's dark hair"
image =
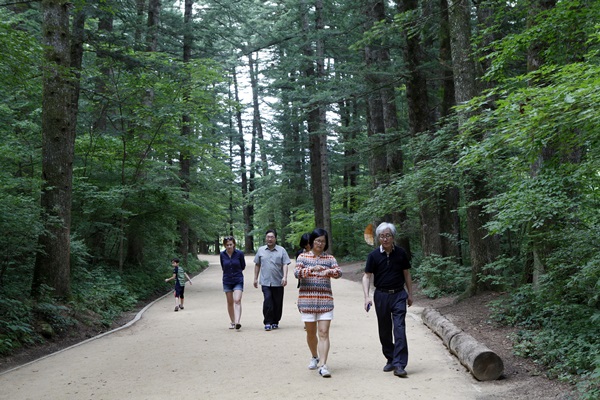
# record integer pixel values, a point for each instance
(228, 238)
(304, 240)
(318, 232)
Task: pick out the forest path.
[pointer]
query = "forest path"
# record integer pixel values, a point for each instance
(193, 354)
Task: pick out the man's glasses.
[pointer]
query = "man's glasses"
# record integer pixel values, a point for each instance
(386, 236)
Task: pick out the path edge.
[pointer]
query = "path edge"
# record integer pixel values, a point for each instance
(137, 317)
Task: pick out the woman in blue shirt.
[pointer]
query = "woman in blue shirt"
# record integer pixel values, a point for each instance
(233, 264)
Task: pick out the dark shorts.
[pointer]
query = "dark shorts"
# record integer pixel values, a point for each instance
(179, 291)
(232, 287)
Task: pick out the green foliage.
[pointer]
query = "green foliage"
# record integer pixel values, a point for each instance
(16, 330)
(504, 273)
(441, 276)
(102, 292)
(58, 316)
(348, 237)
(556, 333)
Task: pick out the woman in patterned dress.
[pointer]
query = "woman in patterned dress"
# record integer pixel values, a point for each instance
(315, 269)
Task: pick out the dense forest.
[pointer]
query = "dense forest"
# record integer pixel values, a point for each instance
(135, 131)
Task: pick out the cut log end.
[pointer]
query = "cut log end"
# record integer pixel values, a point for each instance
(487, 366)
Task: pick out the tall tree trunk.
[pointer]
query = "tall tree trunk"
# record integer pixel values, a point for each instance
(185, 157)
(387, 159)
(152, 24)
(53, 264)
(316, 118)
(256, 119)
(449, 217)
(140, 8)
(132, 234)
(293, 165)
(420, 122)
(483, 248)
(534, 62)
(248, 206)
(349, 133)
(324, 199)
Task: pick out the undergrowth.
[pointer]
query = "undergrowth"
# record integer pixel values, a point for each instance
(560, 336)
(99, 296)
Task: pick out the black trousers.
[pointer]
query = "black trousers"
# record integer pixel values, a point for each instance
(391, 321)
(272, 304)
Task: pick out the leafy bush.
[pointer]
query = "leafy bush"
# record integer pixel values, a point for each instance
(439, 276)
(560, 335)
(15, 326)
(57, 315)
(102, 292)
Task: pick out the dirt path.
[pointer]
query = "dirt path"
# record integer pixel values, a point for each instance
(193, 354)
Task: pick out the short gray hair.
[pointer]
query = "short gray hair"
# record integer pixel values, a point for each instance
(383, 226)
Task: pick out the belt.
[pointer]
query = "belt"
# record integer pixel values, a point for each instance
(390, 291)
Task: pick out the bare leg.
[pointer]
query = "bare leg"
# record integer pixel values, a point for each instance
(230, 310)
(311, 337)
(323, 340)
(237, 305)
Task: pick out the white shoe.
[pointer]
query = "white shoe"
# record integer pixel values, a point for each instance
(324, 371)
(314, 363)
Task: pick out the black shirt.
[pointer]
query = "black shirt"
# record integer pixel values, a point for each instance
(388, 270)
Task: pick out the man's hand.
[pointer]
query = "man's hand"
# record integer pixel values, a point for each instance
(368, 304)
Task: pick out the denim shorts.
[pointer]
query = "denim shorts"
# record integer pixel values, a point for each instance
(310, 317)
(232, 287)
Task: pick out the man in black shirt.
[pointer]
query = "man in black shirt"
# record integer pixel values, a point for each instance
(389, 265)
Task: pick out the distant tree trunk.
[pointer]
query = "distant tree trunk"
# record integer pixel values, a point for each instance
(483, 248)
(534, 62)
(52, 264)
(316, 119)
(132, 232)
(152, 24)
(420, 122)
(323, 199)
(105, 27)
(252, 173)
(140, 8)
(449, 217)
(349, 133)
(293, 165)
(256, 119)
(246, 198)
(387, 158)
(447, 75)
(185, 158)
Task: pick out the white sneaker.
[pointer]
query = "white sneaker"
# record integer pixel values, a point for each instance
(324, 371)
(314, 363)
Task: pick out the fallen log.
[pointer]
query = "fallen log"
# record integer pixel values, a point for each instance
(483, 363)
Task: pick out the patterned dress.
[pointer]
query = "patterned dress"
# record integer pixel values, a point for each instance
(315, 295)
